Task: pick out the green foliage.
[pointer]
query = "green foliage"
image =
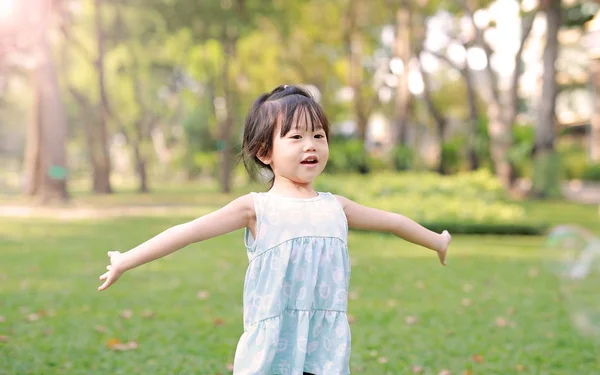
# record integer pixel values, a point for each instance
(546, 174)
(573, 161)
(347, 156)
(521, 150)
(467, 202)
(453, 154)
(591, 173)
(403, 158)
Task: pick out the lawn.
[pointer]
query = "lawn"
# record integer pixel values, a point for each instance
(493, 310)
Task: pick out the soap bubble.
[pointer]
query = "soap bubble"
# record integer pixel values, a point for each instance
(573, 255)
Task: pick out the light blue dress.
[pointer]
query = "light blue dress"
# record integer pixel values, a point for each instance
(296, 289)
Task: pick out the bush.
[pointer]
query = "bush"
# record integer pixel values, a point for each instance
(452, 155)
(403, 158)
(466, 203)
(591, 172)
(347, 156)
(574, 162)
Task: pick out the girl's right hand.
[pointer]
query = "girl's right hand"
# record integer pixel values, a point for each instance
(115, 270)
(443, 250)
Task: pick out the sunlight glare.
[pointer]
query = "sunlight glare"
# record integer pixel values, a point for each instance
(7, 9)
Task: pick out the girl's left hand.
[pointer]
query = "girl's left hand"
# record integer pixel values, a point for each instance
(446, 238)
(115, 270)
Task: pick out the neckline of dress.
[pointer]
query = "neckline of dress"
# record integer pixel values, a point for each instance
(309, 199)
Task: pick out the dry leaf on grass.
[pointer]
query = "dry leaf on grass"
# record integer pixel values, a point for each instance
(218, 322)
(519, 367)
(100, 329)
(411, 320)
(477, 358)
(115, 344)
(416, 369)
(203, 294)
(33, 317)
(126, 314)
(382, 360)
(3, 338)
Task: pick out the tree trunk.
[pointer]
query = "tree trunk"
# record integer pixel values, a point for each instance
(546, 182)
(438, 118)
(33, 149)
(140, 160)
(354, 45)
(402, 50)
(225, 115)
(473, 118)
(46, 151)
(595, 121)
(102, 184)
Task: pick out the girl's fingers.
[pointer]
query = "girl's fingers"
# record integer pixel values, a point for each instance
(108, 267)
(104, 276)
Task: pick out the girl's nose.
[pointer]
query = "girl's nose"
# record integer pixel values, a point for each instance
(309, 146)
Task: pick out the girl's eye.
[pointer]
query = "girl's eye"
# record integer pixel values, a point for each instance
(296, 137)
(319, 136)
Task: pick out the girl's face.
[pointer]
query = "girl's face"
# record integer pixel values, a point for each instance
(300, 155)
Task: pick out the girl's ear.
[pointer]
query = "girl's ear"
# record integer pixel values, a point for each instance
(265, 159)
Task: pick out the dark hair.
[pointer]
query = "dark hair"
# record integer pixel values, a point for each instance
(286, 105)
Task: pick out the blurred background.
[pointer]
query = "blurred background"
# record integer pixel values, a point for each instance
(120, 118)
(96, 94)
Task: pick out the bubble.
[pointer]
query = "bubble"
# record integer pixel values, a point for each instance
(573, 255)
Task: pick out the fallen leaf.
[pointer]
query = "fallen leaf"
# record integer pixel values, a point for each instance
(477, 358)
(411, 320)
(147, 314)
(519, 367)
(115, 344)
(467, 372)
(382, 360)
(230, 367)
(416, 369)
(3, 338)
(218, 322)
(100, 329)
(501, 322)
(351, 319)
(421, 285)
(353, 295)
(203, 294)
(112, 342)
(533, 272)
(391, 302)
(510, 311)
(373, 353)
(466, 302)
(549, 335)
(467, 288)
(445, 372)
(33, 317)
(126, 314)
(2, 319)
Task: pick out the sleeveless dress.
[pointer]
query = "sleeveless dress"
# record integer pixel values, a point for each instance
(296, 288)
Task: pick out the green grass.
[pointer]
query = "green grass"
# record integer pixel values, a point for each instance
(516, 319)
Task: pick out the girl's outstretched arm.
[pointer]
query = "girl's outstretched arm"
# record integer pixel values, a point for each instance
(236, 215)
(367, 218)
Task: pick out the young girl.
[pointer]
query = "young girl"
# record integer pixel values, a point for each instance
(296, 286)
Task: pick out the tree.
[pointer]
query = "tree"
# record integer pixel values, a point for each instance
(546, 180)
(46, 156)
(501, 117)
